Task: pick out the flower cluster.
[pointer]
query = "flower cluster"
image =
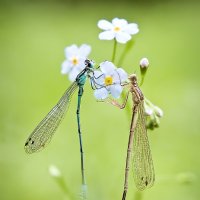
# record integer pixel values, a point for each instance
(153, 113)
(109, 79)
(118, 29)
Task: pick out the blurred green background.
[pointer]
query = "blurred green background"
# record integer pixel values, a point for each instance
(33, 35)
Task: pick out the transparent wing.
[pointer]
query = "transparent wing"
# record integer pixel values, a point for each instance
(43, 133)
(143, 168)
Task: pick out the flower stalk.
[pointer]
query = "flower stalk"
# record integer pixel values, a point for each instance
(114, 51)
(59, 179)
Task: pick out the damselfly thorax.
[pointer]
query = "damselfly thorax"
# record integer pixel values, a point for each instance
(137, 94)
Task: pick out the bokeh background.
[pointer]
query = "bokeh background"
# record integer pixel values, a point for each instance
(33, 35)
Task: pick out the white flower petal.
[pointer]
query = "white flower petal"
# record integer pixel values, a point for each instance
(106, 35)
(104, 24)
(101, 93)
(107, 67)
(123, 75)
(132, 28)
(81, 64)
(122, 37)
(116, 78)
(116, 90)
(73, 74)
(148, 111)
(115, 20)
(99, 78)
(66, 67)
(119, 22)
(97, 73)
(84, 50)
(71, 51)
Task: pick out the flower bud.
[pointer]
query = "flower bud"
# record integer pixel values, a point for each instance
(153, 113)
(144, 63)
(54, 171)
(158, 111)
(148, 110)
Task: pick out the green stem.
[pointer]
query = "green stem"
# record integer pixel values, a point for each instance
(60, 181)
(149, 102)
(114, 50)
(127, 49)
(142, 81)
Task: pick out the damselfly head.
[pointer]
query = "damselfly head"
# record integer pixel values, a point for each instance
(133, 78)
(89, 63)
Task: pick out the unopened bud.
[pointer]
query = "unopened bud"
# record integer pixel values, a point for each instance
(148, 110)
(144, 63)
(158, 111)
(54, 171)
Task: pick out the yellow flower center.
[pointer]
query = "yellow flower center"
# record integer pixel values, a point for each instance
(108, 80)
(74, 61)
(117, 28)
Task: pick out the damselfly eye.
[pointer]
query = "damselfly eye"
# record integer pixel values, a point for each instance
(87, 62)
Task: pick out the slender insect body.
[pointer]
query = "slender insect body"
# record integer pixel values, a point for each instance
(43, 133)
(137, 94)
(138, 145)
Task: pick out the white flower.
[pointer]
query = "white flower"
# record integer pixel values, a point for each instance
(108, 80)
(144, 63)
(75, 58)
(54, 171)
(118, 29)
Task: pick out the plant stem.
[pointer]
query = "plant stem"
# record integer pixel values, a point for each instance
(127, 48)
(142, 81)
(61, 182)
(114, 50)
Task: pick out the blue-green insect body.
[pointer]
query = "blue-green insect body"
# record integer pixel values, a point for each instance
(81, 80)
(43, 133)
